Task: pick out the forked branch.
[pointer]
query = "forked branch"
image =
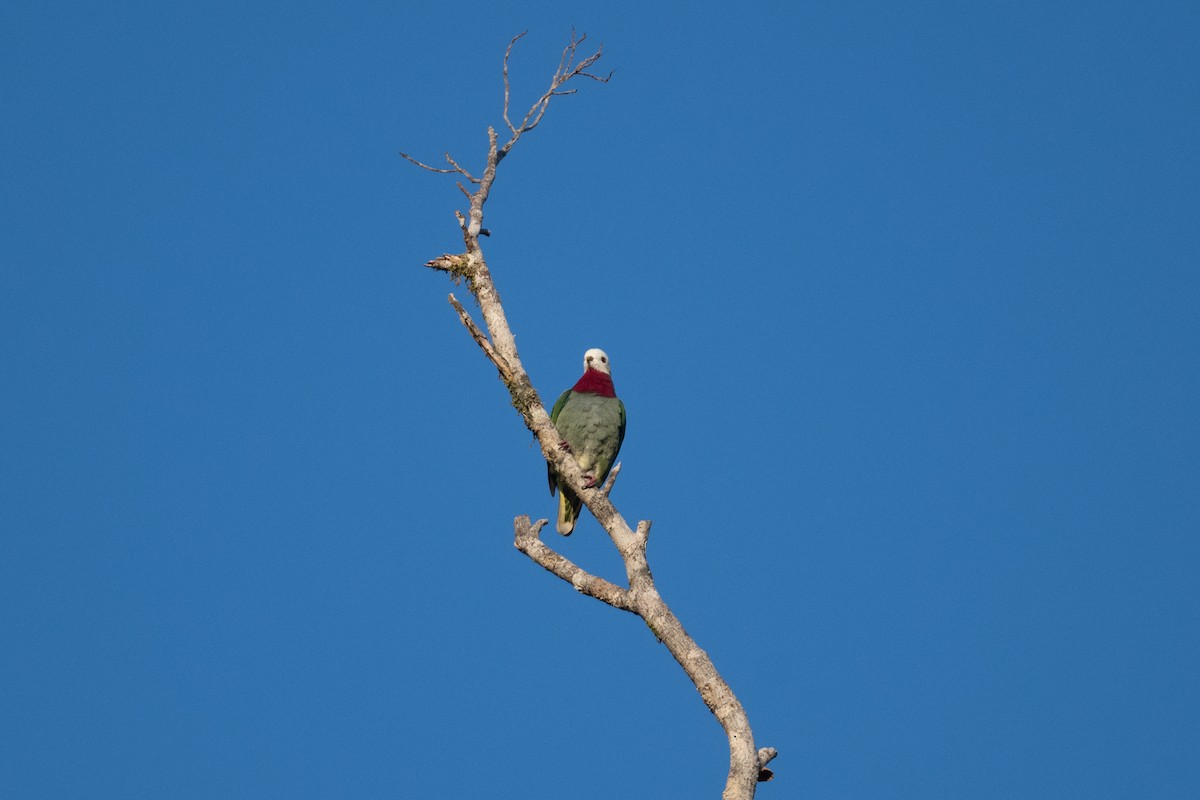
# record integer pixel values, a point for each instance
(451, 161)
(567, 69)
(747, 766)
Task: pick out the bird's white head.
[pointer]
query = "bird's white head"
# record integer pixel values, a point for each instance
(597, 359)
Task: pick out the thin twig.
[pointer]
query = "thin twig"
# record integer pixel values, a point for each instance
(481, 339)
(612, 478)
(507, 53)
(455, 167)
(567, 69)
(460, 170)
(423, 165)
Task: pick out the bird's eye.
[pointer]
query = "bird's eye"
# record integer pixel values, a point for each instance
(605, 360)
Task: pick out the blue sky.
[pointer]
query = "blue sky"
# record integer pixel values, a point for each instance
(902, 302)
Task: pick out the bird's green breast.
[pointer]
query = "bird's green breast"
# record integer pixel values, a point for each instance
(592, 425)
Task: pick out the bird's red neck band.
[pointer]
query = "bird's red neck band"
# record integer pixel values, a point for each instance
(595, 382)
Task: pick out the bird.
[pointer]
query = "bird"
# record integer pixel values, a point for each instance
(591, 420)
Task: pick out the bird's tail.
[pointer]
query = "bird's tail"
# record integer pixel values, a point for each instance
(568, 511)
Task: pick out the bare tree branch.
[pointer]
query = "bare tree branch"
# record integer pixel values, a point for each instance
(567, 69)
(480, 339)
(454, 167)
(612, 478)
(527, 539)
(747, 766)
(461, 171)
(507, 54)
(423, 165)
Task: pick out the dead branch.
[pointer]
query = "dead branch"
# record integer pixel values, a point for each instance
(451, 161)
(527, 539)
(765, 754)
(481, 340)
(567, 69)
(747, 766)
(612, 478)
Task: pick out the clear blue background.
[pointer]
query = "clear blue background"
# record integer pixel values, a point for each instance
(902, 300)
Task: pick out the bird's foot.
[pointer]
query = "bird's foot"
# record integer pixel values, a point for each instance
(589, 480)
(564, 445)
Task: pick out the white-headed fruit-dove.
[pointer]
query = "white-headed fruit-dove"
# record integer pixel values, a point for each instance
(591, 420)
